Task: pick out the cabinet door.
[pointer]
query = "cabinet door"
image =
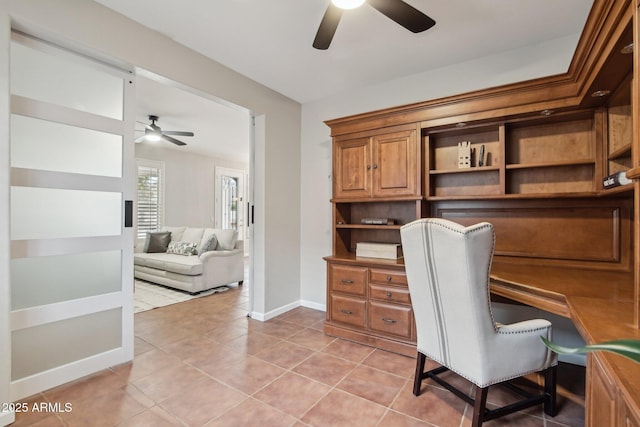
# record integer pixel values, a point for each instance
(395, 164)
(629, 416)
(348, 279)
(601, 396)
(392, 319)
(351, 311)
(352, 168)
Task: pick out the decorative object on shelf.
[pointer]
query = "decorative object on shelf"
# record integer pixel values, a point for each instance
(379, 250)
(627, 348)
(481, 158)
(377, 221)
(464, 154)
(615, 180)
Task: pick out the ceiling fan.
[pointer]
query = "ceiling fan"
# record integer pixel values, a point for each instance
(396, 10)
(152, 132)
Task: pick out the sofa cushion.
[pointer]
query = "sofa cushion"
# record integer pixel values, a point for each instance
(157, 241)
(182, 248)
(176, 232)
(226, 238)
(188, 265)
(192, 235)
(208, 243)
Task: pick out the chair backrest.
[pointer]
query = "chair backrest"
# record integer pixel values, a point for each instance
(447, 268)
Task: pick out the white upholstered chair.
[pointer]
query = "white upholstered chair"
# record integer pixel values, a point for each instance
(447, 269)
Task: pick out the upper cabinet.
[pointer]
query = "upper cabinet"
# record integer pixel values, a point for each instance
(377, 165)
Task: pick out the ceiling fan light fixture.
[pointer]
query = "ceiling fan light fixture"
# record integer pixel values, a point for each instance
(152, 137)
(348, 4)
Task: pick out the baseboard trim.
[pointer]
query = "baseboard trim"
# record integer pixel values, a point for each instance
(7, 417)
(263, 317)
(313, 305)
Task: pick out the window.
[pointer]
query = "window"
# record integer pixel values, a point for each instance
(150, 209)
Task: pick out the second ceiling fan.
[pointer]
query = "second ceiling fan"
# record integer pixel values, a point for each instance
(397, 10)
(152, 132)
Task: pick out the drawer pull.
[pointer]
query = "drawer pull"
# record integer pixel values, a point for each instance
(391, 321)
(388, 294)
(349, 312)
(347, 281)
(388, 278)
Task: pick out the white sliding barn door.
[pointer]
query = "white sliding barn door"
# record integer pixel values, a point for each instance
(71, 278)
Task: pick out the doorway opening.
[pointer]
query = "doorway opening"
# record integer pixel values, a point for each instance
(205, 183)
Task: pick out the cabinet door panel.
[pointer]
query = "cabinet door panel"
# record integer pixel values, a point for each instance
(351, 311)
(395, 164)
(347, 279)
(352, 173)
(391, 319)
(391, 277)
(600, 399)
(389, 293)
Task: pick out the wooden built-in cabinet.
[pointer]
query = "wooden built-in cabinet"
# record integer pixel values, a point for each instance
(548, 145)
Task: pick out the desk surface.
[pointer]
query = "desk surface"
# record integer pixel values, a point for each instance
(600, 304)
(551, 288)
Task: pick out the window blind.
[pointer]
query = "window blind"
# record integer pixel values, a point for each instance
(150, 209)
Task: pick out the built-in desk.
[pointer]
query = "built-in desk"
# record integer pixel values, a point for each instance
(600, 304)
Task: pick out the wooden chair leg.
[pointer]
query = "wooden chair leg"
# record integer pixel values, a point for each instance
(550, 379)
(417, 381)
(479, 406)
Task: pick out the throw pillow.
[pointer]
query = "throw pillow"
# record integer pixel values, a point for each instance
(209, 244)
(157, 241)
(182, 248)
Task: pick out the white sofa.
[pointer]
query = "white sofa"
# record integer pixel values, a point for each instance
(213, 267)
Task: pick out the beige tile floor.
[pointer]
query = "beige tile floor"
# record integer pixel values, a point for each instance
(204, 363)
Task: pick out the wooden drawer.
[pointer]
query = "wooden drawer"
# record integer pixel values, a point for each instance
(389, 293)
(392, 277)
(348, 310)
(348, 279)
(391, 319)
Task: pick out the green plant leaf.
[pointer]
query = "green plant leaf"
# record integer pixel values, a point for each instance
(627, 348)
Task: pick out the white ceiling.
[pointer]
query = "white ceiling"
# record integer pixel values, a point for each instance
(219, 130)
(270, 41)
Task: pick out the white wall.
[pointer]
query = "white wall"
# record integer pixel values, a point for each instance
(189, 186)
(546, 59)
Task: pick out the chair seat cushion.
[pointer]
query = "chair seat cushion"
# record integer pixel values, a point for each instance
(187, 265)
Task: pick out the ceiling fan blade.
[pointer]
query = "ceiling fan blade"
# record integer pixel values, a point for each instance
(173, 140)
(140, 139)
(146, 125)
(404, 14)
(177, 132)
(328, 27)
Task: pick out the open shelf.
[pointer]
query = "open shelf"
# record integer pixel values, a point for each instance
(551, 164)
(464, 170)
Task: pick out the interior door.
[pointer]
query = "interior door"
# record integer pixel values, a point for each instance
(71, 249)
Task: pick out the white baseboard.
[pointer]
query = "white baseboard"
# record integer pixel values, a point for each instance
(7, 418)
(46, 380)
(263, 317)
(313, 305)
